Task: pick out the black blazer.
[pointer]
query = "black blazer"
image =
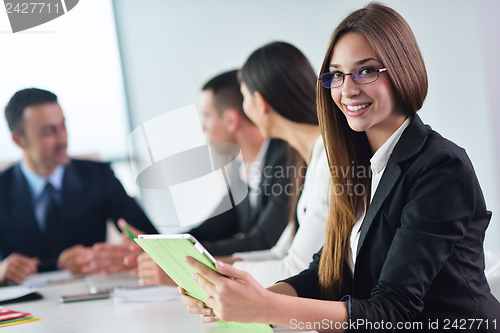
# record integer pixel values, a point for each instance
(239, 229)
(91, 194)
(420, 253)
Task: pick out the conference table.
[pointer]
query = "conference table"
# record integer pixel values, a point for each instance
(109, 315)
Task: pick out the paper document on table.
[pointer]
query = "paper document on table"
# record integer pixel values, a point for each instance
(17, 322)
(14, 292)
(48, 278)
(146, 294)
(11, 317)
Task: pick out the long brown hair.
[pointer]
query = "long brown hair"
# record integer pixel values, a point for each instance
(393, 42)
(285, 79)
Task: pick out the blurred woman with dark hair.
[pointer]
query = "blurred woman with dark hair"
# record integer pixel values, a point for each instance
(278, 87)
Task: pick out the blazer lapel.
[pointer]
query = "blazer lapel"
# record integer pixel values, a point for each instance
(72, 188)
(242, 206)
(270, 159)
(389, 178)
(253, 210)
(266, 161)
(409, 144)
(22, 208)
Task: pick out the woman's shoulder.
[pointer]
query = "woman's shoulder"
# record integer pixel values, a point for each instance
(437, 144)
(319, 162)
(318, 155)
(422, 145)
(442, 153)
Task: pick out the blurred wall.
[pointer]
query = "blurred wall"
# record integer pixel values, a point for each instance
(77, 59)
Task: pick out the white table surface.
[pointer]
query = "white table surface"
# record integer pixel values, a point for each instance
(108, 315)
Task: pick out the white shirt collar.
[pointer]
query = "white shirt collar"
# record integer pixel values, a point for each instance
(379, 160)
(254, 173)
(257, 164)
(262, 151)
(37, 183)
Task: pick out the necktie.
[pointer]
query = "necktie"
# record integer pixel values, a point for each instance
(52, 227)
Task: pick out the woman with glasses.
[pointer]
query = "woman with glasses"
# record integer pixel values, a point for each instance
(407, 252)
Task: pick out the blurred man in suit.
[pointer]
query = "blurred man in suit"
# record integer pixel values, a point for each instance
(53, 209)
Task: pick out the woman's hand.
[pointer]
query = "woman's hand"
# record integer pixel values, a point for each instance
(234, 295)
(197, 307)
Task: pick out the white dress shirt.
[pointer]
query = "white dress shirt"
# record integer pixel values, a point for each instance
(292, 254)
(378, 162)
(254, 173)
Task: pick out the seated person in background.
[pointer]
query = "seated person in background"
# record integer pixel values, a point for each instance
(278, 86)
(259, 220)
(53, 208)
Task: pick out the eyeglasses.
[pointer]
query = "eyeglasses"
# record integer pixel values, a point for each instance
(363, 75)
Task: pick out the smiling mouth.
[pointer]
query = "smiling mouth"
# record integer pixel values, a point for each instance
(354, 108)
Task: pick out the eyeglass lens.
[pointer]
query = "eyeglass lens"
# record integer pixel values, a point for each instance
(362, 76)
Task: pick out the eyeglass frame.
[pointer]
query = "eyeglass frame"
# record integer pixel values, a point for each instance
(379, 70)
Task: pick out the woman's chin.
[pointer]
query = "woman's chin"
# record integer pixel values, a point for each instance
(357, 126)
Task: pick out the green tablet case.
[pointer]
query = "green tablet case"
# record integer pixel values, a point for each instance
(170, 253)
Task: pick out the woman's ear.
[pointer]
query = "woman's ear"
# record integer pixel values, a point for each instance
(263, 107)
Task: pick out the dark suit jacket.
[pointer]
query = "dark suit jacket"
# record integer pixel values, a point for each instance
(91, 194)
(420, 253)
(239, 230)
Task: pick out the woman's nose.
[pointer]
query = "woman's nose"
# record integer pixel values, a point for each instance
(349, 88)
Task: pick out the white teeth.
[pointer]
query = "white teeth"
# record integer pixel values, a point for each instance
(357, 107)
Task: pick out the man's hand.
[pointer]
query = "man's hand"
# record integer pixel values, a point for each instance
(105, 259)
(126, 237)
(73, 258)
(16, 267)
(110, 258)
(150, 274)
(131, 259)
